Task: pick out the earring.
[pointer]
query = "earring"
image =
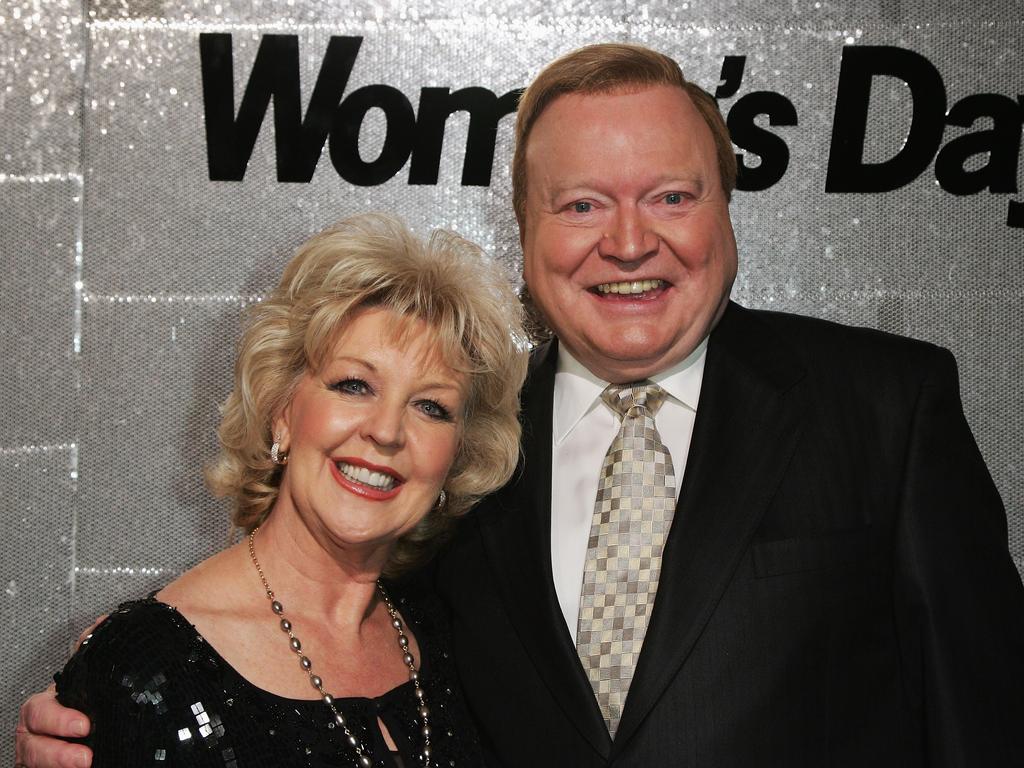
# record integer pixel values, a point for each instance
(275, 452)
(441, 499)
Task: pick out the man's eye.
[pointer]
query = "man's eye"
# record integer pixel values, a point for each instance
(351, 387)
(674, 198)
(582, 206)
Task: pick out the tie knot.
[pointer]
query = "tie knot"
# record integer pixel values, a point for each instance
(630, 400)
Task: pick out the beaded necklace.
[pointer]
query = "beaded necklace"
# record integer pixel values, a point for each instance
(362, 753)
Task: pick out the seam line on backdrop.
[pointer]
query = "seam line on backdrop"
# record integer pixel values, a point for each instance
(39, 178)
(486, 22)
(171, 298)
(928, 294)
(32, 450)
(242, 300)
(122, 570)
(77, 298)
(937, 294)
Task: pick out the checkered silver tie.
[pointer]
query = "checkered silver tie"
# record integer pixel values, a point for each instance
(632, 514)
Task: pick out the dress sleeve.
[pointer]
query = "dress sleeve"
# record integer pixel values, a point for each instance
(958, 595)
(126, 678)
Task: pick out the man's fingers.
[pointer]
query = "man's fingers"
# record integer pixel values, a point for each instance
(43, 752)
(43, 715)
(43, 724)
(41, 718)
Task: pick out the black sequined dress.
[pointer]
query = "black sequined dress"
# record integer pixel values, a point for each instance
(160, 695)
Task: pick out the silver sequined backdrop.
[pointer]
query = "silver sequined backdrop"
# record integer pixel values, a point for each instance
(124, 268)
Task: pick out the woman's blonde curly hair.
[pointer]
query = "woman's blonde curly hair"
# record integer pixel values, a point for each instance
(373, 260)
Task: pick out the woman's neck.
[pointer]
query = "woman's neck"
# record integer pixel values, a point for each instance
(316, 576)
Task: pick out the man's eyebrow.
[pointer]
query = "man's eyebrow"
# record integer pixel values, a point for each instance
(686, 178)
(563, 186)
(583, 184)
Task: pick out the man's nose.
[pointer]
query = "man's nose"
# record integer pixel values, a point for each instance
(629, 236)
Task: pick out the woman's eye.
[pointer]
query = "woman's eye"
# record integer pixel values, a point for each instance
(435, 410)
(582, 206)
(351, 387)
(674, 198)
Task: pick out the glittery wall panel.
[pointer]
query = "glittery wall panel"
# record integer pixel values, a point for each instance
(41, 73)
(41, 68)
(169, 258)
(156, 373)
(954, 12)
(38, 533)
(162, 226)
(541, 12)
(37, 250)
(817, 14)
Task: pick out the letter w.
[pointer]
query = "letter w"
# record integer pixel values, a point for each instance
(275, 74)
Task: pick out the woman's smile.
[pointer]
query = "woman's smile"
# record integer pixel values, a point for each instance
(368, 480)
(372, 434)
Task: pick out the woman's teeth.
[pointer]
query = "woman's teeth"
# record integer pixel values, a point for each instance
(629, 287)
(378, 480)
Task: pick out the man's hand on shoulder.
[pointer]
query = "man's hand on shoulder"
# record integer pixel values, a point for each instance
(42, 726)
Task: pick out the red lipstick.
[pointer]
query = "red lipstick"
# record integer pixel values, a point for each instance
(366, 491)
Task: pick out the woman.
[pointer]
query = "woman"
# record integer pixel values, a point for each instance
(375, 399)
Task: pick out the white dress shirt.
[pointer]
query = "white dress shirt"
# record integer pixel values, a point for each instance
(583, 428)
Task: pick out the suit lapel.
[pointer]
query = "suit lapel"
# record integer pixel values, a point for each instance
(746, 427)
(518, 543)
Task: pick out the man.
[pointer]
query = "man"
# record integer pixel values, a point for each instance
(833, 586)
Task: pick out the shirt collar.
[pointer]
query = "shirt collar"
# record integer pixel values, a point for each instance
(578, 391)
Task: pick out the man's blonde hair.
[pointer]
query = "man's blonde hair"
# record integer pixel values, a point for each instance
(606, 68)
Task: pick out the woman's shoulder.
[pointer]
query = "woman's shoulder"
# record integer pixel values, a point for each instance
(145, 616)
(134, 626)
(140, 638)
(210, 586)
(153, 688)
(153, 643)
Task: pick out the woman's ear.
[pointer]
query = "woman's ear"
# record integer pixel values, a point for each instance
(280, 430)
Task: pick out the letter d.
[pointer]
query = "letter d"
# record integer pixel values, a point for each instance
(847, 171)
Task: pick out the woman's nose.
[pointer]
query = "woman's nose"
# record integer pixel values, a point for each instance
(385, 425)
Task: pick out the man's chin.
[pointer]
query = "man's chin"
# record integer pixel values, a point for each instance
(621, 363)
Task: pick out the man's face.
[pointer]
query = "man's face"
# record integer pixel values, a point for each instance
(628, 248)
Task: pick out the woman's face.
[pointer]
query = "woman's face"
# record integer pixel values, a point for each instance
(371, 436)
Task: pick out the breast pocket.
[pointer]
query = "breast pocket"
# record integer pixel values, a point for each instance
(840, 549)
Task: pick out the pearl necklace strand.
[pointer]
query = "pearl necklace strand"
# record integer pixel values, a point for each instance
(362, 754)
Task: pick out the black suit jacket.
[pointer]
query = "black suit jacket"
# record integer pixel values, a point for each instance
(836, 588)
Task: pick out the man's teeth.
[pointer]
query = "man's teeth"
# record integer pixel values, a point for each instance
(366, 476)
(627, 287)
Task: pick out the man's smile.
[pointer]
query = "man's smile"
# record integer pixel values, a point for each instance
(630, 290)
(631, 287)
